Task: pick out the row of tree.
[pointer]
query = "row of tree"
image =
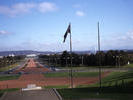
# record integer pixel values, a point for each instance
(109, 58)
(9, 60)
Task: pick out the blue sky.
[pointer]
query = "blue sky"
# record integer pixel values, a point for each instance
(41, 24)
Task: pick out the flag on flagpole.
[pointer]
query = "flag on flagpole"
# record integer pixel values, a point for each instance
(67, 31)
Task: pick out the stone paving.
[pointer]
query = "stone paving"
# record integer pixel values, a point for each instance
(47, 94)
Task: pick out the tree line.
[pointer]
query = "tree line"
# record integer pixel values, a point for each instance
(102, 58)
(9, 60)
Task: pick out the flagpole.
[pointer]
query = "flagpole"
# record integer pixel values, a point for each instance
(71, 75)
(65, 35)
(99, 56)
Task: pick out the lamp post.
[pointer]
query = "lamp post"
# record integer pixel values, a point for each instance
(66, 60)
(115, 57)
(82, 60)
(119, 60)
(49, 60)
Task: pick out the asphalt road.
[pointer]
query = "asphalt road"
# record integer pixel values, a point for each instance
(46, 94)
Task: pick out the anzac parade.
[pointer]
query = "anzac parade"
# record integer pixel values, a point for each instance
(66, 50)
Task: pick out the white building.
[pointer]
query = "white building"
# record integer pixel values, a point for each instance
(31, 55)
(11, 55)
(1, 56)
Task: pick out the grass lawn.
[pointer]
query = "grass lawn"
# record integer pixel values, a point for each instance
(57, 74)
(75, 68)
(75, 74)
(58, 87)
(116, 86)
(85, 67)
(124, 79)
(117, 79)
(8, 67)
(128, 66)
(7, 90)
(9, 77)
(106, 93)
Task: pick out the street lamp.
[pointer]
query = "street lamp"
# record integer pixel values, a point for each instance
(49, 60)
(117, 60)
(82, 59)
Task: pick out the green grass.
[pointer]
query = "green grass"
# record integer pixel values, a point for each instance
(75, 67)
(116, 79)
(85, 74)
(106, 93)
(84, 67)
(128, 66)
(9, 77)
(7, 90)
(75, 74)
(58, 86)
(8, 67)
(57, 74)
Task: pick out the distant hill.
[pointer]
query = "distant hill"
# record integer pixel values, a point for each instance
(24, 52)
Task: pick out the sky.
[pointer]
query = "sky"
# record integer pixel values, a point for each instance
(41, 24)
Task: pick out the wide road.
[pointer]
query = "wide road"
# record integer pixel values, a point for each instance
(32, 67)
(47, 94)
(32, 74)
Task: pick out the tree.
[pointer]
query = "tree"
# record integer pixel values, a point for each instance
(65, 58)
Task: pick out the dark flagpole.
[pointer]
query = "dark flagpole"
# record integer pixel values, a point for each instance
(99, 56)
(71, 75)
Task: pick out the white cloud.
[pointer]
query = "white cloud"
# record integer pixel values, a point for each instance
(118, 42)
(22, 8)
(77, 6)
(46, 7)
(80, 13)
(19, 8)
(130, 35)
(4, 32)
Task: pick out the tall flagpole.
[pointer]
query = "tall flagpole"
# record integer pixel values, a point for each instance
(71, 75)
(99, 56)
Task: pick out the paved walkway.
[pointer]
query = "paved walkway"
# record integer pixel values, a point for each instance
(47, 94)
